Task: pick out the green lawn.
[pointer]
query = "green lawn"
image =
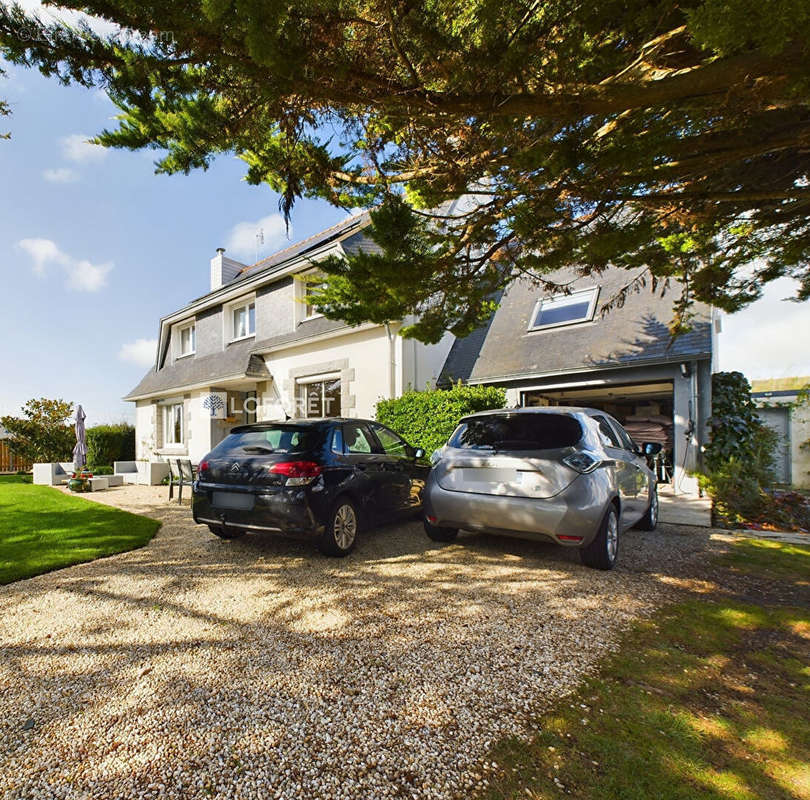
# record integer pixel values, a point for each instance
(42, 529)
(15, 479)
(708, 700)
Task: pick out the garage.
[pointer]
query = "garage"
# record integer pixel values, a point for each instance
(647, 411)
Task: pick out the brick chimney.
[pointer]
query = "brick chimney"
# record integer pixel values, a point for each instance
(223, 269)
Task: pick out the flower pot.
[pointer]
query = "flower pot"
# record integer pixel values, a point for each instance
(76, 485)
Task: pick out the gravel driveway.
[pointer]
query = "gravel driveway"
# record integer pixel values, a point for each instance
(258, 668)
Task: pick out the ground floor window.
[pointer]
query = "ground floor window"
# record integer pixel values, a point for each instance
(319, 397)
(173, 432)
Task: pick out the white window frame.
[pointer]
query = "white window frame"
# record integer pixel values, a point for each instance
(228, 320)
(301, 284)
(167, 411)
(565, 299)
(324, 378)
(179, 330)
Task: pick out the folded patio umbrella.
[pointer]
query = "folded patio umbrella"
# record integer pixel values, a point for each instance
(80, 450)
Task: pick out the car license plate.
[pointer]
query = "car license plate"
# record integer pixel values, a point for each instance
(234, 500)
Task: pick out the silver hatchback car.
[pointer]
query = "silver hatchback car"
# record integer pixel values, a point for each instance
(568, 475)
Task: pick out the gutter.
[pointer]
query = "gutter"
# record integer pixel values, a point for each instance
(521, 376)
(170, 390)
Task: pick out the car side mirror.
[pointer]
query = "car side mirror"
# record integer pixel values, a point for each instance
(651, 448)
(419, 453)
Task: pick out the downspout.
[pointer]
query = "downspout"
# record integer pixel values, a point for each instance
(700, 422)
(392, 362)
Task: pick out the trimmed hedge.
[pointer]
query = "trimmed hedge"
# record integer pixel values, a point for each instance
(109, 443)
(426, 419)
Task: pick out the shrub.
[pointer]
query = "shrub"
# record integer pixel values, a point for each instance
(734, 422)
(41, 433)
(102, 470)
(109, 443)
(426, 419)
(739, 458)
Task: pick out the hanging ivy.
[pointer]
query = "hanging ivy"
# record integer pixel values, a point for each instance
(734, 423)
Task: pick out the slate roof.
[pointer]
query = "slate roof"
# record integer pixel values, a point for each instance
(237, 359)
(240, 359)
(307, 245)
(637, 333)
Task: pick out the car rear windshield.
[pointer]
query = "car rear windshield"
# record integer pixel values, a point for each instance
(517, 432)
(278, 439)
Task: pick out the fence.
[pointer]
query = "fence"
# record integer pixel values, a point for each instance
(9, 462)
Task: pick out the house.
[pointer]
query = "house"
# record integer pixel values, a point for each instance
(776, 399)
(250, 349)
(560, 350)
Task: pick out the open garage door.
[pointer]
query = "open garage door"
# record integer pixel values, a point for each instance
(645, 409)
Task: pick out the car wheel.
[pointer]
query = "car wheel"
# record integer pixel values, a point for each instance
(225, 533)
(649, 521)
(603, 551)
(340, 533)
(439, 534)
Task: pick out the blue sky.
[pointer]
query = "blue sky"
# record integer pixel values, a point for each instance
(95, 248)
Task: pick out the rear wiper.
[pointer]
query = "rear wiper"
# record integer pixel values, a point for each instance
(257, 448)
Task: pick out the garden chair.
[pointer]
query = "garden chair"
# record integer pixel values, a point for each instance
(186, 471)
(174, 476)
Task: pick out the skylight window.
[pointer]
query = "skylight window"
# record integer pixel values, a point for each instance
(564, 309)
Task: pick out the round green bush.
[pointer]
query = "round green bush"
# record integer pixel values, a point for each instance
(426, 419)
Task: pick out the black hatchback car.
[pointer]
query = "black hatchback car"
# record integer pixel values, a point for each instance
(319, 479)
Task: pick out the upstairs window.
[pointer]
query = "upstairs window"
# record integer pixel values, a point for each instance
(243, 321)
(309, 284)
(311, 310)
(188, 340)
(564, 309)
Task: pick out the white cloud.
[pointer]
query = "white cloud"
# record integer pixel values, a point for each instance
(81, 274)
(241, 241)
(86, 277)
(60, 175)
(43, 252)
(141, 352)
(76, 148)
(769, 338)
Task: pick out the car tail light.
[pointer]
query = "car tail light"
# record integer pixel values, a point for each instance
(582, 461)
(203, 467)
(297, 473)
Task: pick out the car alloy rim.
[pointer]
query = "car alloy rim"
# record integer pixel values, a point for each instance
(345, 527)
(612, 536)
